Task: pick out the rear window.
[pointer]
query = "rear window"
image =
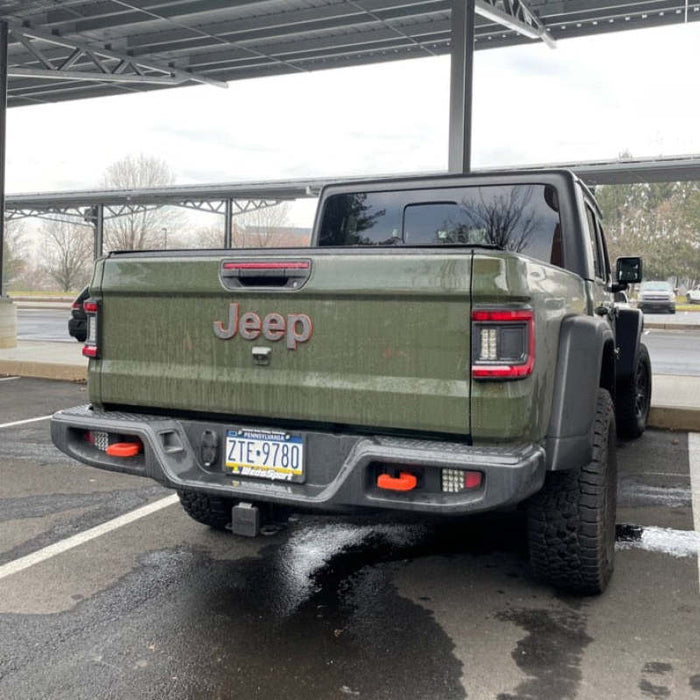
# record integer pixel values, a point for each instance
(518, 218)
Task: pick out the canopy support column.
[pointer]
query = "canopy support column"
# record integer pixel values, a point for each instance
(228, 224)
(8, 312)
(3, 130)
(99, 221)
(461, 86)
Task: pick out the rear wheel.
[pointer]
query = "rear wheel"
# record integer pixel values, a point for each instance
(633, 398)
(571, 521)
(206, 509)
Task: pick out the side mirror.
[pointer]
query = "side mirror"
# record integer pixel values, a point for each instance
(629, 271)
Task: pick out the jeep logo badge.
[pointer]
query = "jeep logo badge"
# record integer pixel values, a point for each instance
(296, 328)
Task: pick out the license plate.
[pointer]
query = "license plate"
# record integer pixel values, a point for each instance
(266, 454)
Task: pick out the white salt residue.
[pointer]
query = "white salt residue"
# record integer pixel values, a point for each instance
(309, 550)
(677, 543)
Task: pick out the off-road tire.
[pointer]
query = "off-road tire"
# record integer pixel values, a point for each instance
(633, 398)
(209, 510)
(571, 521)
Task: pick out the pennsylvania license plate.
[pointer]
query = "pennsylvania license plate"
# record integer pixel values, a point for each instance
(265, 454)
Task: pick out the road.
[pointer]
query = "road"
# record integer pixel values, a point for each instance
(43, 324)
(672, 352)
(683, 317)
(328, 608)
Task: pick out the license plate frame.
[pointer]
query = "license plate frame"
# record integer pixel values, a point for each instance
(243, 443)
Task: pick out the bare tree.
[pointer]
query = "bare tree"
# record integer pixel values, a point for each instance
(67, 253)
(140, 229)
(14, 259)
(259, 228)
(208, 237)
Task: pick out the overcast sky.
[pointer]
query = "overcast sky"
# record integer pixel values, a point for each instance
(589, 98)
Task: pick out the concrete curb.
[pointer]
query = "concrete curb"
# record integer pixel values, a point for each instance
(675, 418)
(50, 305)
(672, 326)
(46, 300)
(43, 370)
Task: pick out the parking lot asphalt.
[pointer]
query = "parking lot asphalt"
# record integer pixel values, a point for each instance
(329, 608)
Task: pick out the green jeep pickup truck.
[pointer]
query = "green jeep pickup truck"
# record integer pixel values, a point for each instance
(447, 346)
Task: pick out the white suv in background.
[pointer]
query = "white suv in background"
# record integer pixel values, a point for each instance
(657, 296)
(693, 295)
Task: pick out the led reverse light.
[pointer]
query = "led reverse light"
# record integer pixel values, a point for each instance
(456, 480)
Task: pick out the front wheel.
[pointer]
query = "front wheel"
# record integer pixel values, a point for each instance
(571, 521)
(633, 398)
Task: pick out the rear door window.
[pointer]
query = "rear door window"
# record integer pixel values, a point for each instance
(437, 224)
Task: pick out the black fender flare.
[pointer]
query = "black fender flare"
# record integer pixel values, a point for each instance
(629, 325)
(582, 343)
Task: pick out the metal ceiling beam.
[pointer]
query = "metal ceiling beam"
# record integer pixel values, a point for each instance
(291, 25)
(125, 78)
(205, 18)
(99, 56)
(515, 15)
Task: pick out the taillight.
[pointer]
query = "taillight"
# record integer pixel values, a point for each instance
(92, 309)
(503, 343)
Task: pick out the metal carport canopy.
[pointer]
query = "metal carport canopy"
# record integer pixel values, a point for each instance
(72, 49)
(671, 169)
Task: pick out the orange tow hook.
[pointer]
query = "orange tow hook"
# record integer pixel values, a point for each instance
(404, 482)
(124, 449)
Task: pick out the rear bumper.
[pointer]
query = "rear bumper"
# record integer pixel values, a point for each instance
(340, 470)
(651, 306)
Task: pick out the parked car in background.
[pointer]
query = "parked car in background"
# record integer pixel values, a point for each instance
(693, 295)
(657, 296)
(77, 323)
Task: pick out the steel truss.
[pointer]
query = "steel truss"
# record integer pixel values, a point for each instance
(239, 206)
(515, 15)
(88, 215)
(51, 213)
(102, 64)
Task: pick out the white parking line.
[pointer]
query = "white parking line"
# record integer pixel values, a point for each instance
(694, 461)
(7, 379)
(27, 420)
(52, 550)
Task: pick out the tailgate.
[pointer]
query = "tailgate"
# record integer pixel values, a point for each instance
(388, 346)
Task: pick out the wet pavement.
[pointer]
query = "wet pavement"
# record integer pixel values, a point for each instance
(329, 608)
